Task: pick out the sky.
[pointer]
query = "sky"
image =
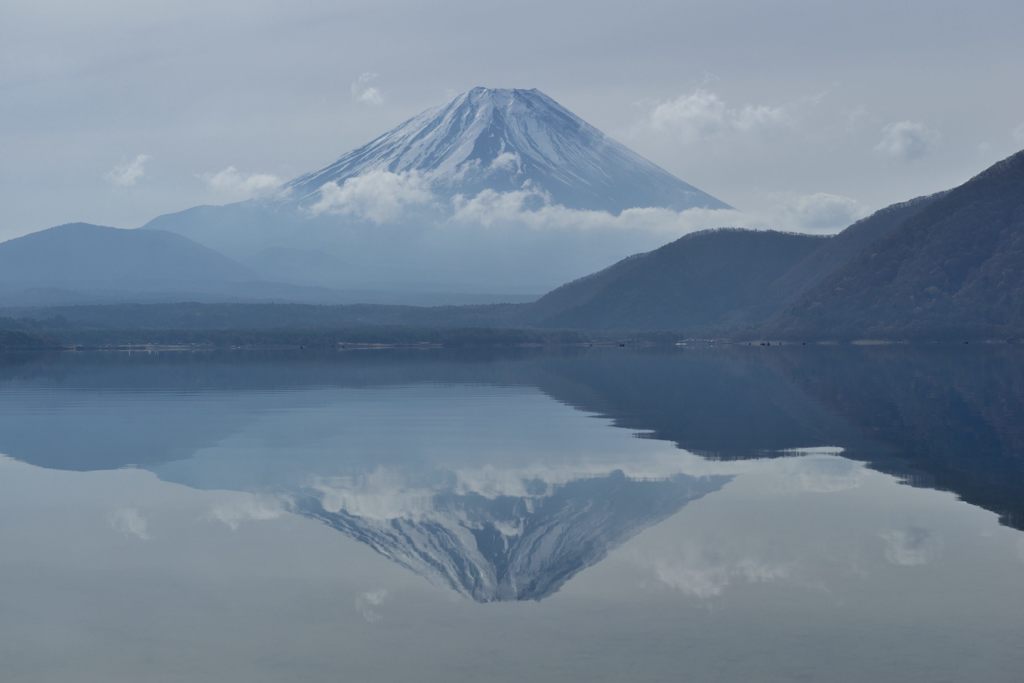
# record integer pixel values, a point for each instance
(807, 114)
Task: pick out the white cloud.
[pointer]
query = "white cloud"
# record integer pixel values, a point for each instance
(232, 184)
(820, 212)
(383, 197)
(364, 92)
(248, 509)
(532, 209)
(130, 522)
(907, 140)
(911, 547)
(702, 114)
(128, 173)
(490, 207)
(382, 494)
(817, 470)
(1018, 134)
(379, 196)
(368, 602)
(506, 161)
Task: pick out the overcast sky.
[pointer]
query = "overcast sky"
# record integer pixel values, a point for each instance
(806, 110)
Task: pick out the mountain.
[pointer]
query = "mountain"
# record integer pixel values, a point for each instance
(496, 197)
(512, 547)
(835, 253)
(449, 202)
(945, 266)
(80, 263)
(18, 340)
(79, 257)
(705, 281)
(942, 266)
(950, 269)
(504, 140)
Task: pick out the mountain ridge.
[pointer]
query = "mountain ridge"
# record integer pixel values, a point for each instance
(691, 283)
(940, 266)
(953, 267)
(445, 201)
(83, 263)
(83, 255)
(934, 267)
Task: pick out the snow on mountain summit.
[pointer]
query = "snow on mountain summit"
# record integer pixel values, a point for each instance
(506, 140)
(453, 202)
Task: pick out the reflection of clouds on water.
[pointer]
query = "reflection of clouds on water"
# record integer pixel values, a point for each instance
(247, 508)
(130, 522)
(367, 605)
(380, 494)
(501, 534)
(911, 547)
(799, 470)
(541, 479)
(518, 532)
(703, 577)
(748, 550)
(815, 450)
(805, 470)
(391, 493)
(820, 474)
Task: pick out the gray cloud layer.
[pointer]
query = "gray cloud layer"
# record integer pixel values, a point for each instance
(749, 101)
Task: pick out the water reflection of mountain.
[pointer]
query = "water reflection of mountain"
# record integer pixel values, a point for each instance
(514, 547)
(947, 418)
(941, 417)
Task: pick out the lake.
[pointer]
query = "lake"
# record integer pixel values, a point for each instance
(721, 514)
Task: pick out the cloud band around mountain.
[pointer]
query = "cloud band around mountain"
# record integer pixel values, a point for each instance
(385, 197)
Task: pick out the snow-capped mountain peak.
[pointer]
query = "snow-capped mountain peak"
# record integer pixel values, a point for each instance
(505, 139)
(512, 546)
(460, 200)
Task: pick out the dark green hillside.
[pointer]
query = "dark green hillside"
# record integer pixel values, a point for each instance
(705, 282)
(953, 269)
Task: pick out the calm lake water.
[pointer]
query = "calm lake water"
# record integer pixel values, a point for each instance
(743, 514)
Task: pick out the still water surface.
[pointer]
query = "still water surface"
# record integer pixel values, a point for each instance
(706, 515)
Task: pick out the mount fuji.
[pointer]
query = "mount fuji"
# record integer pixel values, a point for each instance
(516, 547)
(499, 192)
(506, 140)
(492, 530)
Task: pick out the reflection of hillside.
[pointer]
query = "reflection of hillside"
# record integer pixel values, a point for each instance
(947, 418)
(944, 417)
(951, 419)
(87, 411)
(727, 403)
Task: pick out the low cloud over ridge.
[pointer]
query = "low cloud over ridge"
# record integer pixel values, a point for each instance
(232, 184)
(385, 197)
(379, 196)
